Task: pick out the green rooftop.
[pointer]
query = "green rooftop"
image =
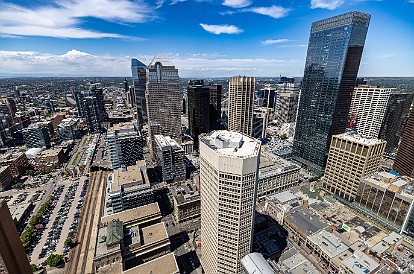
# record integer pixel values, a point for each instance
(114, 232)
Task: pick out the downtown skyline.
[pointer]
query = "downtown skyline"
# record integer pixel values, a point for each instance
(201, 38)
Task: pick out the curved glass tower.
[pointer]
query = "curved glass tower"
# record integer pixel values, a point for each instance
(332, 63)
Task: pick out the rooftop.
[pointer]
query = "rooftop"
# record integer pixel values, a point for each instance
(355, 138)
(271, 164)
(135, 215)
(185, 192)
(163, 265)
(232, 144)
(385, 180)
(10, 155)
(50, 152)
(256, 263)
(154, 233)
(130, 175)
(166, 142)
(328, 243)
(360, 263)
(114, 232)
(306, 221)
(284, 197)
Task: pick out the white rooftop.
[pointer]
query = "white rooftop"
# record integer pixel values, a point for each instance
(328, 243)
(232, 144)
(284, 197)
(360, 263)
(359, 139)
(255, 263)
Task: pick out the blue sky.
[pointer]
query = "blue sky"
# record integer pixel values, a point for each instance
(203, 38)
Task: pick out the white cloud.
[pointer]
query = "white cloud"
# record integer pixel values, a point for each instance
(326, 4)
(274, 41)
(78, 63)
(62, 20)
(219, 29)
(272, 11)
(237, 3)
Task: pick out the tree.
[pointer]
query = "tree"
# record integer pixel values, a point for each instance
(55, 260)
(69, 242)
(34, 267)
(283, 137)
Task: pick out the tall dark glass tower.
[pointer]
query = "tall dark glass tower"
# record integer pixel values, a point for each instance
(139, 78)
(332, 63)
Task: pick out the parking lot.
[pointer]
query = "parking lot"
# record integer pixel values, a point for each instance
(60, 222)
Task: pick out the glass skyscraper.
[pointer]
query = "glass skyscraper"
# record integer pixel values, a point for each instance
(139, 77)
(332, 63)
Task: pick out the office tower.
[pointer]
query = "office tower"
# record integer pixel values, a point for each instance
(126, 85)
(269, 97)
(215, 106)
(36, 135)
(125, 145)
(260, 122)
(8, 106)
(170, 158)
(229, 164)
(387, 199)
(404, 161)
(332, 63)
(395, 117)
(68, 129)
(287, 105)
(6, 177)
(163, 100)
(90, 105)
(198, 109)
(350, 158)
(13, 258)
(139, 80)
(241, 103)
(368, 109)
(203, 117)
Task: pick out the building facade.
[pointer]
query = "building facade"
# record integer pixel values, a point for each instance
(163, 101)
(287, 105)
(392, 128)
(68, 129)
(36, 135)
(332, 63)
(13, 258)
(6, 177)
(170, 158)
(17, 161)
(228, 178)
(350, 158)
(388, 199)
(139, 80)
(404, 161)
(367, 111)
(125, 145)
(91, 107)
(198, 110)
(241, 104)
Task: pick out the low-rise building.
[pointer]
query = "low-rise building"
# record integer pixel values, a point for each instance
(129, 187)
(360, 263)
(278, 205)
(49, 158)
(128, 242)
(186, 202)
(389, 200)
(163, 265)
(6, 177)
(17, 161)
(276, 174)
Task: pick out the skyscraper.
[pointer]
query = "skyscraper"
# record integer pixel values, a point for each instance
(36, 135)
(241, 104)
(163, 100)
(404, 161)
(395, 117)
(332, 63)
(139, 79)
(204, 108)
(350, 158)
(228, 176)
(91, 106)
(368, 109)
(287, 105)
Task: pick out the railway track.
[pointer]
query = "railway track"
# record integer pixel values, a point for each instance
(79, 259)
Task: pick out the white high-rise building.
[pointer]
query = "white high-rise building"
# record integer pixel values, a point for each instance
(241, 104)
(228, 176)
(367, 110)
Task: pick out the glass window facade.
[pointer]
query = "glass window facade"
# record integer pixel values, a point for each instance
(332, 63)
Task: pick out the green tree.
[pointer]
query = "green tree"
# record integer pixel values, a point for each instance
(34, 267)
(283, 137)
(55, 260)
(69, 242)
